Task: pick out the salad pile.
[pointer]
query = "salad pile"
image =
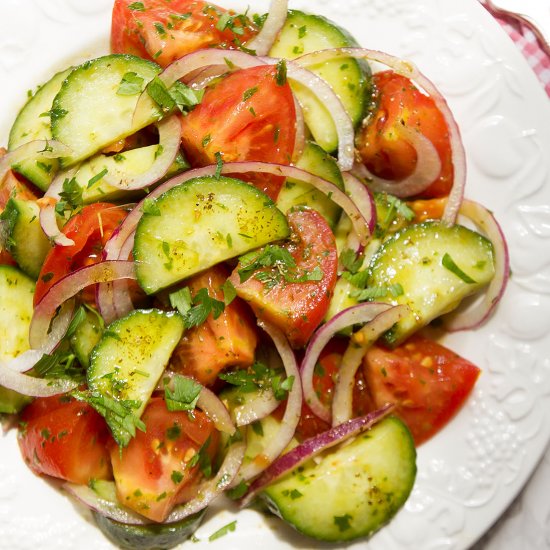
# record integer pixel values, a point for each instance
(221, 245)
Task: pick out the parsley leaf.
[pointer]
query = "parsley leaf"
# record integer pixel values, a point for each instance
(183, 396)
(271, 255)
(203, 306)
(259, 377)
(131, 84)
(449, 263)
(229, 528)
(71, 196)
(280, 75)
(119, 414)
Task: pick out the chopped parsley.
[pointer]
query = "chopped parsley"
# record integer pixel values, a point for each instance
(195, 310)
(449, 263)
(131, 84)
(229, 528)
(259, 377)
(181, 394)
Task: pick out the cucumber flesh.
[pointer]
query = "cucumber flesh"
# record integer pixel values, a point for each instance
(85, 337)
(200, 223)
(350, 79)
(353, 490)
(88, 114)
(296, 193)
(26, 242)
(412, 262)
(16, 309)
(33, 122)
(129, 360)
(90, 174)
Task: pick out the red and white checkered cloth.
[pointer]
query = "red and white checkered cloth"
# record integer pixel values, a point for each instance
(529, 45)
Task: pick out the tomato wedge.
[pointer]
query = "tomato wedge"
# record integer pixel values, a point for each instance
(248, 115)
(11, 186)
(90, 229)
(165, 30)
(228, 340)
(66, 439)
(427, 382)
(381, 145)
(159, 467)
(295, 301)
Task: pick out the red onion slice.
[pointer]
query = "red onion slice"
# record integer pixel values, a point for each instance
(427, 168)
(25, 361)
(48, 216)
(362, 197)
(256, 408)
(128, 226)
(66, 288)
(50, 149)
(361, 313)
(207, 491)
(113, 299)
(474, 316)
(276, 18)
(360, 342)
(169, 143)
(200, 59)
(32, 386)
(293, 410)
(326, 95)
(312, 447)
(408, 70)
(300, 138)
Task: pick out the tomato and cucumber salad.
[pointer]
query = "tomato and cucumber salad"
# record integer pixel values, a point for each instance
(222, 243)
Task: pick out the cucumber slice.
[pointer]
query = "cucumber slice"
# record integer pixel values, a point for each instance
(153, 536)
(33, 122)
(412, 263)
(130, 358)
(350, 79)
(296, 193)
(142, 537)
(200, 223)
(26, 241)
(352, 491)
(16, 309)
(90, 175)
(89, 114)
(85, 337)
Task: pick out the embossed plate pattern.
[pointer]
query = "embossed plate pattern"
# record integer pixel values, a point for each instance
(470, 472)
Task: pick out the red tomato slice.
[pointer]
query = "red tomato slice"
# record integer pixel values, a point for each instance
(229, 340)
(246, 116)
(11, 186)
(90, 229)
(382, 148)
(427, 382)
(66, 439)
(153, 473)
(165, 30)
(297, 308)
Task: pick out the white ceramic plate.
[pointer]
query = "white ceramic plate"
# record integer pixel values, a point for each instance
(468, 474)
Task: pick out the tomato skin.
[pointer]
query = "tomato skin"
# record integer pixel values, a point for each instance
(381, 147)
(144, 470)
(245, 116)
(229, 340)
(90, 229)
(297, 308)
(427, 382)
(66, 439)
(11, 186)
(165, 30)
